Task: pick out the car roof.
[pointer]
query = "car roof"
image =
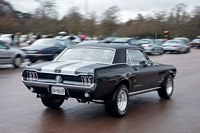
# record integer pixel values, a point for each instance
(107, 45)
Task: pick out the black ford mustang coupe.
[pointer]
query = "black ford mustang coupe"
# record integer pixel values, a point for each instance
(100, 73)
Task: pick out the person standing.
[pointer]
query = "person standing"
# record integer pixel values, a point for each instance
(12, 37)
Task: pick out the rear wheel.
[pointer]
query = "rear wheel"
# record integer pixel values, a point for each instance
(52, 102)
(167, 88)
(117, 104)
(17, 61)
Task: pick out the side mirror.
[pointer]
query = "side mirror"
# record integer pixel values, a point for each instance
(150, 62)
(143, 63)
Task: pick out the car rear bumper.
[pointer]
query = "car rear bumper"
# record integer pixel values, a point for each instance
(38, 56)
(75, 91)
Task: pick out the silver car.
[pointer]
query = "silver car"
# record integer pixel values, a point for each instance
(150, 47)
(176, 45)
(10, 55)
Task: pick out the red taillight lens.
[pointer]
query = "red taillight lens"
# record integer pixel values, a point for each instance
(175, 46)
(40, 52)
(31, 75)
(87, 80)
(150, 45)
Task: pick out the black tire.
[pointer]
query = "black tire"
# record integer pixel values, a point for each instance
(161, 51)
(167, 88)
(117, 104)
(153, 52)
(32, 60)
(17, 61)
(52, 102)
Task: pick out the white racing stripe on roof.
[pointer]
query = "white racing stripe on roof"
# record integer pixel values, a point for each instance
(72, 68)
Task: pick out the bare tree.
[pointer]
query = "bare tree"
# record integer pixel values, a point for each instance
(47, 8)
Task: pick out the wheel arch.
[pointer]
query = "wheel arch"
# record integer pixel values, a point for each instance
(170, 72)
(123, 81)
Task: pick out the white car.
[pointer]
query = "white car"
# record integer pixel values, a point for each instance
(6, 38)
(176, 45)
(11, 55)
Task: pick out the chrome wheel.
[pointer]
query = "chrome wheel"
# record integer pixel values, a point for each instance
(117, 104)
(169, 86)
(122, 100)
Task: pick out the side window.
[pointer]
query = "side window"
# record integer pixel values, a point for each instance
(2, 46)
(134, 42)
(135, 57)
(61, 43)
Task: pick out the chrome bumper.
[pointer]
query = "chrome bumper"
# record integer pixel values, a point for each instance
(92, 87)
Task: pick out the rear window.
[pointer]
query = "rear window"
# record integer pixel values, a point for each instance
(96, 55)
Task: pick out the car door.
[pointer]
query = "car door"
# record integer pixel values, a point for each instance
(5, 54)
(146, 71)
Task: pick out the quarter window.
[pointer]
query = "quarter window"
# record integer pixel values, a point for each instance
(135, 57)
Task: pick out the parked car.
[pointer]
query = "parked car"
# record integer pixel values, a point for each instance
(45, 49)
(23, 38)
(194, 43)
(176, 45)
(185, 40)
(11, 55)
(75, 40)
(6, 38)
(128, 41)
(150, 47)
(99, 73)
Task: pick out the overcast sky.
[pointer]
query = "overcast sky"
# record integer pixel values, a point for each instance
(128, 8)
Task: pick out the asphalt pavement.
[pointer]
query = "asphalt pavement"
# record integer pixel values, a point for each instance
(22, 112)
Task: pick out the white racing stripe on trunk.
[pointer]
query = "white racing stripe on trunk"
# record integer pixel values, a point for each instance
(72, 68)
(51, 67)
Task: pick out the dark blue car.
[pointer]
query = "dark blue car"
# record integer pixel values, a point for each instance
(45, 49)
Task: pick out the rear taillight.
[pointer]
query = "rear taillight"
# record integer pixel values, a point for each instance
(175, 46)
(87, 80)
(150, 45)
(32, 75)
(40, 52)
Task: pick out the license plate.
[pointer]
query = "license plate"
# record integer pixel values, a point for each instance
(57, 90)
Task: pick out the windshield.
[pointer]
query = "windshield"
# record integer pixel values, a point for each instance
(196, 40)
(145, 41)
(172, 42)
(95, 55)
(121, 40)
(44, 42)
(5, 36)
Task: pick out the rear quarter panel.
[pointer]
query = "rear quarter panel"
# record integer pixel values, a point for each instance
(108, 77)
